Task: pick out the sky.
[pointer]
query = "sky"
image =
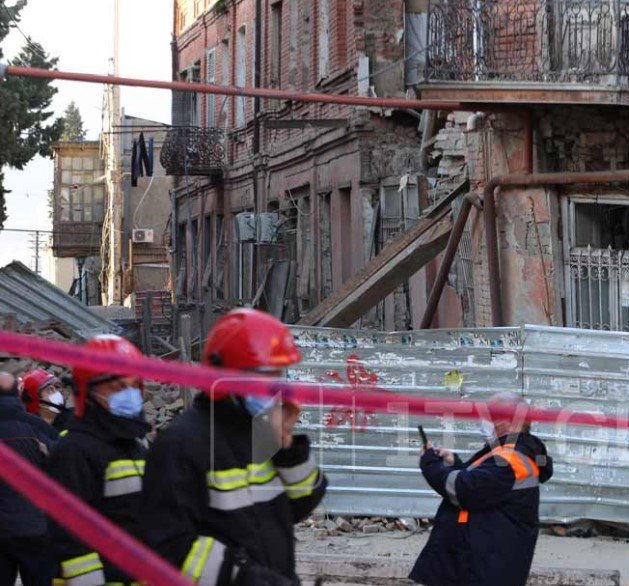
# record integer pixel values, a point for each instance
(81, 34)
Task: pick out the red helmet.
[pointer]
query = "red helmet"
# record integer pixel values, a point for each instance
(34, 383)
(246, 339)
(83, 376)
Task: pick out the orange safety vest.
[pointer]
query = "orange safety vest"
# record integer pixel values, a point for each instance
(525, 469)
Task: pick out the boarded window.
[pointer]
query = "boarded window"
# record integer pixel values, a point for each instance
(293, 48)
(305, 42)
(276, 44)
(324, 39)
(241, 73)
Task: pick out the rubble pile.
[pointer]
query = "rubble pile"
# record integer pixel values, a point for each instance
(325, 526)
(162, 404)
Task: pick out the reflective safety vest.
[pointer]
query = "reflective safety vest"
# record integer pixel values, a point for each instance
(525, 470)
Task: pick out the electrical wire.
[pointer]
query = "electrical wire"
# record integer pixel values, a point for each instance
(36, 48)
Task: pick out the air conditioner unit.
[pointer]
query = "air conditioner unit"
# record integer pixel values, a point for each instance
(267, 227)
(246, 222)
(142, 236)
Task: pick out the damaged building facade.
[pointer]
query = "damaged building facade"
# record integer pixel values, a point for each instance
(279, 203)
(550, 78)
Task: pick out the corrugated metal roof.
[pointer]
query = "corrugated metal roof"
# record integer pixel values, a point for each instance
(33, 299)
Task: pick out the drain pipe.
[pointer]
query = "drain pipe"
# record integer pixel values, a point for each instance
(448, 258)
(526, 180)
(489, 206)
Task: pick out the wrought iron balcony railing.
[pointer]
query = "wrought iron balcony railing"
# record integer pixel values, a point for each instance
(583, 41)
(194, 151)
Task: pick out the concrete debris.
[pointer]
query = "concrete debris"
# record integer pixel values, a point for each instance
(359, 525)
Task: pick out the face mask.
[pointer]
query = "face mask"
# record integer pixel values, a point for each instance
(126, 403)
(488, 432)
(53, 401)
(257, 405)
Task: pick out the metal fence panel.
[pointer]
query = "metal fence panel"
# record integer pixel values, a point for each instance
(371, 459)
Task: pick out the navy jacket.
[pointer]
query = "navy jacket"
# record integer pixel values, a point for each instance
(32, 438)
(101, 460)
(206, 497)
(486, 527)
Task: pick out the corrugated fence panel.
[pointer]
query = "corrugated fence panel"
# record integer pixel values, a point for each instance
(371, 458)
(581, 370)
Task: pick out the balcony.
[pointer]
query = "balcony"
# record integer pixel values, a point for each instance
(562, 51)
(194, 151)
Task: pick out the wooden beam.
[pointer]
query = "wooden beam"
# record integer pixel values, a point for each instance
(397, 262)
(401, 259)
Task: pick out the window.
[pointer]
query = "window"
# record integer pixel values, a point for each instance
(198, 8)
(293, 48)
(241, 73)
(226, 80)
(597, 263)
(186, 104)
(211, 78)
(276, 45)
(324, 39)
(306, 42)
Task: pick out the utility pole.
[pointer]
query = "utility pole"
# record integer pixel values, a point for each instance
(257, 82)
(114, 177)
(36, 245)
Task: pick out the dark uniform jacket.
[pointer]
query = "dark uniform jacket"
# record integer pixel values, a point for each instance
(32, 438)
(486, 527)
(208, 501)
(101, 460)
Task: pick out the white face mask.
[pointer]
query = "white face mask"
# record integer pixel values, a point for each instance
(55, 398)
(488, 431)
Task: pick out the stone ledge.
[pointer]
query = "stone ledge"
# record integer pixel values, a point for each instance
(339, 569)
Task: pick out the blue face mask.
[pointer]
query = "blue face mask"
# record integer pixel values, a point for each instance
(257, 405)
(126, 403)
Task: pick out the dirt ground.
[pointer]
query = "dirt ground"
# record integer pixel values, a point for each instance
(593, 553)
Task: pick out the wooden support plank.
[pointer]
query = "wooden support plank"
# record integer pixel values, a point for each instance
(400, 260)
(380, 277)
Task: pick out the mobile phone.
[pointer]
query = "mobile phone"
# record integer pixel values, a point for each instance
(422, 434)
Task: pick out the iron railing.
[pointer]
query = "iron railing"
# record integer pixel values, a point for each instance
(585, 41)
(194, 151)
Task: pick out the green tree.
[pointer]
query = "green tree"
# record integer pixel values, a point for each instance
(72, 124)
(26, 127)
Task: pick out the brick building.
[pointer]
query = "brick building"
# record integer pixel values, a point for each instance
(285, 220)
(561, 67)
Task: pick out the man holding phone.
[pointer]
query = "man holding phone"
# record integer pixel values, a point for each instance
(486, 528)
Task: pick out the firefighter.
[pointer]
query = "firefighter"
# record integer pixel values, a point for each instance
(213, 504)
(43, 396)
(101, 460)
(23, 541)
(486, 527)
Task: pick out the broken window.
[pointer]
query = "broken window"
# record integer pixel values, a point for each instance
(597, 264)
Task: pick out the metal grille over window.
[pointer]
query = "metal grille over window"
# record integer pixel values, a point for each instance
(542, 40)
(598, 265)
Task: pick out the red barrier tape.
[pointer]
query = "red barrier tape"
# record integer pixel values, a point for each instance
(214, 381)
(122, 550)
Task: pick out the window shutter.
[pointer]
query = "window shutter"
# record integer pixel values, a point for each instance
(211, 78)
